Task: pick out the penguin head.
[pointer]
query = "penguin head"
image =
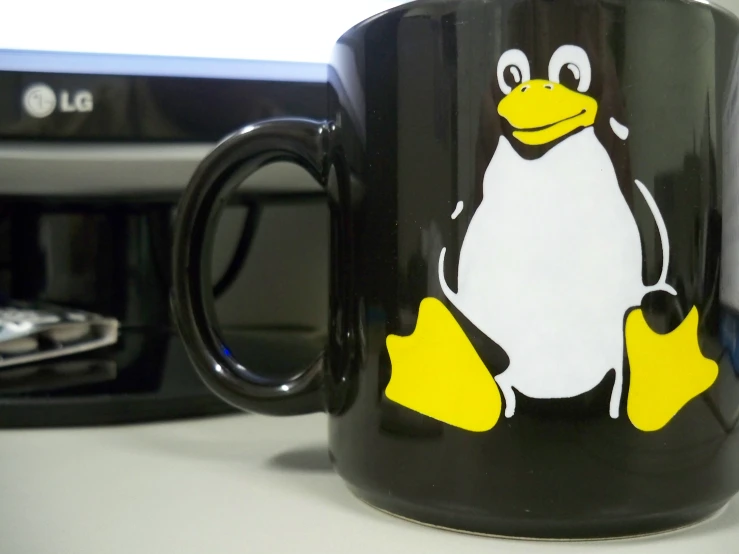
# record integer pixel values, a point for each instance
(556, 70)
(543, 110)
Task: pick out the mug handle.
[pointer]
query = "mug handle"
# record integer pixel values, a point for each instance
(305, 142)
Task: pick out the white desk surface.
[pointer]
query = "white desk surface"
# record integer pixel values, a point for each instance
(234, 484)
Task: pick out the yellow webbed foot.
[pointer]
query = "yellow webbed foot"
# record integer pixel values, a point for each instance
(667, 371)
(437, 372)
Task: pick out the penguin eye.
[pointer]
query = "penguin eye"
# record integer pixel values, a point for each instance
(512, 76)
(513, 69)
(569, 76)
(570, 66)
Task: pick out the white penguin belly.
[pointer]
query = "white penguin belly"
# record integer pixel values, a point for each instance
(550, 263)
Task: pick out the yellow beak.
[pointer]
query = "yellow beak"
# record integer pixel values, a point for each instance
(542, 111)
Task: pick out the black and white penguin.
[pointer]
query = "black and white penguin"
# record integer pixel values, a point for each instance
(551, 261)
(553, 250)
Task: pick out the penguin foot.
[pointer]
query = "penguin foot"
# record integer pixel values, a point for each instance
(667, 371)
(437, 372)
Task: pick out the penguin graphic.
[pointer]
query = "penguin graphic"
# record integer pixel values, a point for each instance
(571, 248)
(550, 269)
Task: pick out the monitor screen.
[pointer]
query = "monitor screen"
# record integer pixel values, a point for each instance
(270, 40)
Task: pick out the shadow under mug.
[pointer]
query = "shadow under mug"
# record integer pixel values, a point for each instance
(532, 292)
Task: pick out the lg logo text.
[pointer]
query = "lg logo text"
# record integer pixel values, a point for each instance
(40, 100)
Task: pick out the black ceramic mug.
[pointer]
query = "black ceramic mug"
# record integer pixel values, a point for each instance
(535, 264)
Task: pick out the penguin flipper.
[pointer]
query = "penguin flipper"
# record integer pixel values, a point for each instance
(659, 221)
(667, 371)
(437, 372)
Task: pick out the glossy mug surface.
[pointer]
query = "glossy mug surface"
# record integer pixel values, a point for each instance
(535, 264)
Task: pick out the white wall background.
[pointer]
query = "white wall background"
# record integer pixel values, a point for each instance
(284, 30)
